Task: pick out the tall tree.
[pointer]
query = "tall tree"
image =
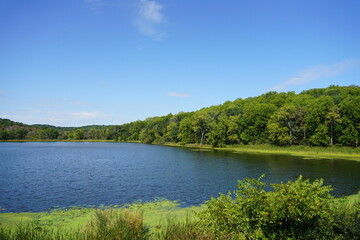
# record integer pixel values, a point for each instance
(320, 138)
(254, 120)
(201, 122)
(333, 118)
(186, 133)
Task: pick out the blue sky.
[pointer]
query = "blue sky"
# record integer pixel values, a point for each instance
(82, 62)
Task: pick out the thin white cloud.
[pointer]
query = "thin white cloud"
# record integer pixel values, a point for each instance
(94, 5)
(174, 94)
(6, 116)
(150, 10)
(86, 115)
(315, 73)
(150, 18)
(26, 119)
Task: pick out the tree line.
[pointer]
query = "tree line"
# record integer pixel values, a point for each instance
(10, 130)
(317, 117)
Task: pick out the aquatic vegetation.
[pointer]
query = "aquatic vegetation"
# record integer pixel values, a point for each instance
(293, 210)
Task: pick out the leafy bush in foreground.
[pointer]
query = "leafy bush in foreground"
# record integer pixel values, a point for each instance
(293, 210)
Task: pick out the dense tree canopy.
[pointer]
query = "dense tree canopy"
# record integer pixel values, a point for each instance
(318, 117)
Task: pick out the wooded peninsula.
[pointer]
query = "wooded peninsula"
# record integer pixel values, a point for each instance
(316, 117)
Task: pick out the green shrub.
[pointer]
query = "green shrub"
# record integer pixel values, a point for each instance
(293, 210)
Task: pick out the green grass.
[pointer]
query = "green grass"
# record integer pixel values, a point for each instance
(111, 224)
(334, 152)
(353, 199)
(73, 222)
(77, 217)
(347, 153)
(179, 229)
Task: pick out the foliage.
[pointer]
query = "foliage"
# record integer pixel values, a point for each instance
(293, 210)
(320, 138)
(317, 117)
(286, 125)
(78, 134)
(49, 133)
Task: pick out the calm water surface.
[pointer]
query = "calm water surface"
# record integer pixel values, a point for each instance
(38, 176)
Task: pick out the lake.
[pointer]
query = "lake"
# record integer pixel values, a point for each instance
(36, 176)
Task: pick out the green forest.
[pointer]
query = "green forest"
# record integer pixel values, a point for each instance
(316, 117)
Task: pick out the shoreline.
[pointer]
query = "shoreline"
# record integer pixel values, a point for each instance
(308, 152)
(153, 212)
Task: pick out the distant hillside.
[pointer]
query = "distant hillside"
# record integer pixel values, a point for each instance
(4, 123)
(318, 117)
(43, 126)
(10, 130)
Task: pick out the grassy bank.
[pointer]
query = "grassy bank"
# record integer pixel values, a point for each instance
(155, 215)
(346, 153)
(75, 217)
(151, 221)
(304, 151)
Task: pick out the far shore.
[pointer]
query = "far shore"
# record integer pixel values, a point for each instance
(345, 153)
(331, 152)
